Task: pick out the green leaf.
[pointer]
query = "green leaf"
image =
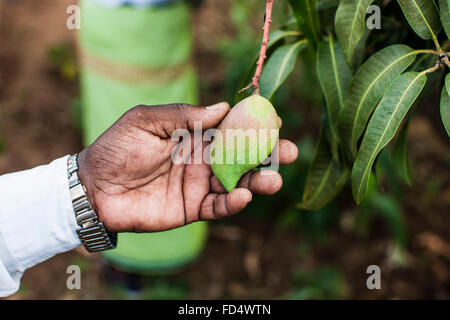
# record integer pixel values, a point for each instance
(334, 78)
(444, 6)
(367, 88)
(325, 177)
(423, 17)
(279, 66)
(445, 104)
(274, 38)
(350, 25)
(423, 62)
(278, 35)
(400, 154)
(331, 138)
(383, 125)
(360, 51)
(380, 168)
(307, 18)
(326, 4)
(447, 82)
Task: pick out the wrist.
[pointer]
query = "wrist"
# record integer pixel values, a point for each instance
(92, 191)
(91, 230)
(85, 178)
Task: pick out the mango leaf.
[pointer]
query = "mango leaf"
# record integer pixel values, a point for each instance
(422, 62)
(350, 25)
(274, 38)
(447, 82)
(334, 78)
(279, 66)
(444, 6)
(325, 177)
(326, 4)
(360, 51)
(383, 125)
(367, 88)
(423, 17)
(307, 18)
(445, 104)
(334, 146)
(400, 154)
(381, 169)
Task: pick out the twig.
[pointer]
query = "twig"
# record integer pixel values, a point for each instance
(262, 53)
(438, 46)
(432, 69)
(447, 59)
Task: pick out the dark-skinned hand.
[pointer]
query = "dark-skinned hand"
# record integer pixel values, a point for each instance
(134, 185)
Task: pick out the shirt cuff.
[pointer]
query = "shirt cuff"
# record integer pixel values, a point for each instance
(37, 220)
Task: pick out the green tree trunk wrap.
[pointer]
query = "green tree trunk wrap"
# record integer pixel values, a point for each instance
(132, 56)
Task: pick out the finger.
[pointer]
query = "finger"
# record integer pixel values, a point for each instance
(264, 182)
(251, 181)
(288, 152)
(195, 189)
(216, 185)
(218, 206)
(237, 200)
(165, 119)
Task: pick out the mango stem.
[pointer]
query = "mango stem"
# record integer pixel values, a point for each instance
(263, 51)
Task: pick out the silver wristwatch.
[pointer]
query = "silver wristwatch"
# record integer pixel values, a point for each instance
(92, 232)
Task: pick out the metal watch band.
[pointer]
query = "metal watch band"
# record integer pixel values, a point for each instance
(92, 233)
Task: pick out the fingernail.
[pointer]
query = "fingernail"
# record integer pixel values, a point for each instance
(217, 106)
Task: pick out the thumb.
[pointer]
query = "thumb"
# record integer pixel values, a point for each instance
(164, 119)
(210, 116)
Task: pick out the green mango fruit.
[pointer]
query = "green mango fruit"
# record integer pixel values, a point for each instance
(245, 138)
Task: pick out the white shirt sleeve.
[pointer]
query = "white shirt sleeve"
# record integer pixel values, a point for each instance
(36, 220)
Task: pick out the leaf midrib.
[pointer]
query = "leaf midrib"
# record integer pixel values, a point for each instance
(447, 82)
(353, 25)
(358, 109)
(387, 126)
(335, 69)
(283, 65)
(424, 18)
(311, 20)
(322, 183)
